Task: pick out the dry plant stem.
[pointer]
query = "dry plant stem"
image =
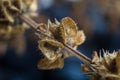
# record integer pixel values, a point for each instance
(36, 26)
(75, 52)
(79, 55)
(29, 21)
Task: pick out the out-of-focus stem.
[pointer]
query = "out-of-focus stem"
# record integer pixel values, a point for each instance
(29, 21)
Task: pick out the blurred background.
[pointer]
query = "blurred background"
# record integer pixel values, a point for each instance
(100, 20)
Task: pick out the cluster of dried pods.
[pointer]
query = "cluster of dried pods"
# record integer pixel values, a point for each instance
(103, 68)
(52, 45)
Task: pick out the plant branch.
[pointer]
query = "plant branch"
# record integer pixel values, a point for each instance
(36, 26)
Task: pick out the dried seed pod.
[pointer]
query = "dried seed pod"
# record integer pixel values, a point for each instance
(57, 31)
(47, 64)
(106, 68)
(70, 26)
(70, 29)
(66, 32)
(49, 48)
(80, 38)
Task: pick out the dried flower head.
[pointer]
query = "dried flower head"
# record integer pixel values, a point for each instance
(11, 27)
(7, 15)
(52, 44)
(104, 68)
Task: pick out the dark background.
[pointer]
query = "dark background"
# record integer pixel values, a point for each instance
(100, 20)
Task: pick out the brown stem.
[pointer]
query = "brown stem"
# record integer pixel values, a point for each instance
(35, 26)
(28, 21)
(79, 55)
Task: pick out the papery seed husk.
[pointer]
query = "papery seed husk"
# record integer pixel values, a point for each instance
(80, 38)
(48, 50)
(47, 64)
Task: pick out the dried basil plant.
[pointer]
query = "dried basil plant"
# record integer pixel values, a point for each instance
(104, 68)
(64, 33)
(59, 41)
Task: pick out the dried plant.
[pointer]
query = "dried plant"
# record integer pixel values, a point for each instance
(11, 27)
(59, 41)
(104, 68)
(66, 33)
(60, 33)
